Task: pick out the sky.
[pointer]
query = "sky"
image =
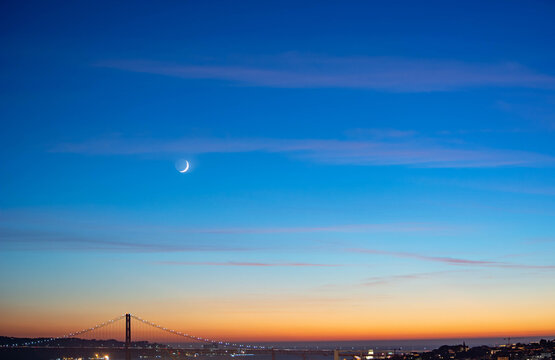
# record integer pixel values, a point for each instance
(358, 169)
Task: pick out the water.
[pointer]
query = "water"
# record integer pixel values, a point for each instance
(400, 345)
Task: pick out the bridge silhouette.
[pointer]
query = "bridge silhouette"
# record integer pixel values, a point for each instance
(129, 334)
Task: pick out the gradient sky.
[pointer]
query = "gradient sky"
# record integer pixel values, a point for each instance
(359, 170)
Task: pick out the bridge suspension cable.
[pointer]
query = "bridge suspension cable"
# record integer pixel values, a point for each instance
(69, 335)
(193, 337)
(150, 323)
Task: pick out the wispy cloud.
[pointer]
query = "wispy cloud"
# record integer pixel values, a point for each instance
(386, 227)
(295, 70)
(406, 151)
(89, 222)
(452, 260)
(243, 263)
(383, 280)
(529, 188)
(19, 240)
(448, 260)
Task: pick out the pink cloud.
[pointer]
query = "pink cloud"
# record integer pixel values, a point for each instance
(452, 260)
(239, 263)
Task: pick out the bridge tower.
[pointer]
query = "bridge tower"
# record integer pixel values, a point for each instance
(127, 336)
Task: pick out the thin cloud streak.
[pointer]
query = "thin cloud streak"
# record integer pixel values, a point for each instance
(17, 240)
(243, 263)
(448, 260)
(42, 219)
(409, 152)
(499, 186)
(377, 73)
(384, 280)
(391, 227)
(451, 260)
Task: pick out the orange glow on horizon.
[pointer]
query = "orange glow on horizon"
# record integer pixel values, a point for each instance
(305, 330)
(268, 318)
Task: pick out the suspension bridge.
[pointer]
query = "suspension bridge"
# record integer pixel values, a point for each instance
(131, 337)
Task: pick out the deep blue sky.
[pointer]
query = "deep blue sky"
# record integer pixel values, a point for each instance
(335, 148)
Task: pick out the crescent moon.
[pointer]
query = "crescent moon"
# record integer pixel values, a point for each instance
(186, 167)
